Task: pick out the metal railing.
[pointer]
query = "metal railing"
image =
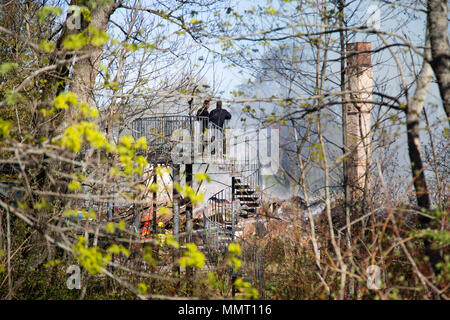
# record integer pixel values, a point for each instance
(181, 139)
(216, 238)
(252, 180)
(220, 206)
(252, 267)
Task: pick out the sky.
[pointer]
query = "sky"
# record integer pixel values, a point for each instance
(385, 71)
(224, 79)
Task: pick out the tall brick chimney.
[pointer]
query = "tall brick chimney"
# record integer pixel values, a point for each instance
(360, 84)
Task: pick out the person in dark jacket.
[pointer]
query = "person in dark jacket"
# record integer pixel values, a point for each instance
(218, 117)
(203, 112)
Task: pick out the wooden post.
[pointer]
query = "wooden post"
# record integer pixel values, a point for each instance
(154, 200)
(189, 270)
(189, 204)
(176, 202)
(176, 216)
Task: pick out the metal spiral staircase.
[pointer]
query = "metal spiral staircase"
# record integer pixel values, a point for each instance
(221, 217)
(224, 210)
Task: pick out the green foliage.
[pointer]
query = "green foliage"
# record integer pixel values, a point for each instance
(76, 41)
(213, 282)
(168, 239)
(86, 214)
(131, 164)
(52, 263)
(148, 256)
(141, 143)
(142, 288)
(2, 267)
(190, 193)
(75, 135)
(160, 171)
(42, 205)
(111, 226)
(5, 67)
(48, 10)
(153, 187)
(442, 237)
(164, 210)
(246, 290)
(200, 176)
(234, 251)
(5, 126)
(80, 40)
(90, 258)
(98, 37)
(13, 97)
(74, 185)
(47, 46)
(116, 249)
(192, 257)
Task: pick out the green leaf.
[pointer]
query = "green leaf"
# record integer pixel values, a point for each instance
(46, 10)
(202, 176)
(121, 225)
(98, 37)
(164, 210)
(5, 67)
(90, 258)
(192, 257)
(142, 288)
(110, 227)
(13, 97)
(5, 125)
(75, 41)
(74, 185)
(64, 99)
(141, 143)
(153, 187)
(47, 46)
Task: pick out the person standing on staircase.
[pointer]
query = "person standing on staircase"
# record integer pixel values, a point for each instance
(204, 113)
(203, 116)
(218, 117)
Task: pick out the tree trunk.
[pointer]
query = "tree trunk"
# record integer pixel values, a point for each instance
(85, 71)
(415, 156)
(83, 75)
(413, 111)
(440, 49)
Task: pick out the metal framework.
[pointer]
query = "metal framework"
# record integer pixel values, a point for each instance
(204, 142)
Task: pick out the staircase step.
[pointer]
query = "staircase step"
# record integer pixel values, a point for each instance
(245, 192)
(249, 205)
(215, 199)
(250, 211)
(244, 184)
(247, 198)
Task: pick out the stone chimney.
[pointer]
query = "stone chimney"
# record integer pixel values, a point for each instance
(360, 84)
